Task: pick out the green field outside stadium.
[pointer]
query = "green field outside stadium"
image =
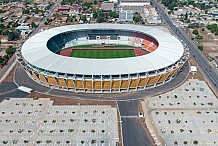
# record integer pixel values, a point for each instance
(103, 54)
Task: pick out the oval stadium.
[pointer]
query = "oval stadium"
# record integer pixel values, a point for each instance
(103, 58)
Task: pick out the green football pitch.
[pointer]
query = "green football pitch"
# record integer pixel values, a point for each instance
(103, 54)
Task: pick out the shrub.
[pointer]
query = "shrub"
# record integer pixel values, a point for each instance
(48, 141)
(195, 142)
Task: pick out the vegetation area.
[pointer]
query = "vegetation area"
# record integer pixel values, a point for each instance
(172, 4)
(9, 52)
(213, 28)
(200, 47)
(103, 54)
(9, 30)
(195, 32)
(137, 17)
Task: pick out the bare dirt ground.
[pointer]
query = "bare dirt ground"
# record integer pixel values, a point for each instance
(71, 101)
(196, 75)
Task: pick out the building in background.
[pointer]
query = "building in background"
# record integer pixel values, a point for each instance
(126, 16)
(134, 2)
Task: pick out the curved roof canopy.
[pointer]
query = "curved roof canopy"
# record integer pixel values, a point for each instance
(169, 51)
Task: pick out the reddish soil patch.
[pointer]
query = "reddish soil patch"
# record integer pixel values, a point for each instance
(66, 52)
(140, 52)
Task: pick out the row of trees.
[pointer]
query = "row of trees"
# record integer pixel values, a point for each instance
(100, 16)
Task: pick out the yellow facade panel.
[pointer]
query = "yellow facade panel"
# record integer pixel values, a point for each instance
(153, 80)
(42, 78)
(173, 72)
(52, 80)
(70, 83)
(34, 75)
(124, 84)
(164, 77)
(133, 83)
(106, 84)
(79, 84)
(97, 84)
(142, 82)
(115, 84)
(61, 82)
(88, 84)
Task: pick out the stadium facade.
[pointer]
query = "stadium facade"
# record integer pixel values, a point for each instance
(39, 57)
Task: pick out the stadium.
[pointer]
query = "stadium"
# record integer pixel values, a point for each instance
(102, 58)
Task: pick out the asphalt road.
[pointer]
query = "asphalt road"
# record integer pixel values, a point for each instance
(128, 108)
(199, 57)
(133, 131)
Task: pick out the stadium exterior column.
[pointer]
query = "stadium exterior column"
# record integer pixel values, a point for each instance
(101, 84)
(146, 74)
(166, 77)
(83, 83)
(136, 88)
(120, 78)
(110, 83)
(157, 73)
(66, 83)
(128, 82)
(92, 84)
(74, 82)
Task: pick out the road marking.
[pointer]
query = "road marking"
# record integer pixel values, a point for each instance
(8, 71)
(129, 116)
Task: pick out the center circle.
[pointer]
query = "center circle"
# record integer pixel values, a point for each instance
(102, 44)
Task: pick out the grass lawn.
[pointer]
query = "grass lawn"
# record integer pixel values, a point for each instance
(103, 54)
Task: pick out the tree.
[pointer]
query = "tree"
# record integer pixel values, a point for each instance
(195, 142)
(46, 23)
(113, 15)
(25, 11)
(33, 25)
(200, 48)
(137, 17)
(1, 20)
(95, 2)
(83, 18)
(171, 7)
(10, 51)
(195, 32)
(186, 16)
(13, 35)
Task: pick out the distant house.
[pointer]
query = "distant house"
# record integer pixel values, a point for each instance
(151, 19)
(21, 5)
(107, 7)
(114, 1)
(23, 28)
(139, 9)
(75, 8)
(43, 6)
(134, 2)
(4, 39)
(126, 16)
(64, 9)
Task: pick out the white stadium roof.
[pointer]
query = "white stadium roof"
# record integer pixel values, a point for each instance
(169, 51)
